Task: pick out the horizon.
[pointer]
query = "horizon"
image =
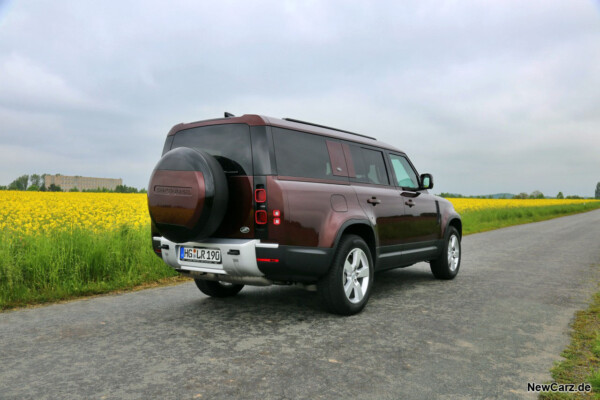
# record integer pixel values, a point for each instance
(140, 189)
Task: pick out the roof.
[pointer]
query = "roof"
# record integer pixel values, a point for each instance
(259, 120)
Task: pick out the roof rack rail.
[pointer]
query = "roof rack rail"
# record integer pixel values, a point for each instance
(327, 127)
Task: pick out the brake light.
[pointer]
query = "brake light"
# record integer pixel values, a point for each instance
(260, 195)
(267, 260)
(260, 217)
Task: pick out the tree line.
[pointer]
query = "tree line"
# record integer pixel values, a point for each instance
(36, 183)
(536, 194)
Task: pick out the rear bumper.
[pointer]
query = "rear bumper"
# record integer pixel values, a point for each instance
(251, 258)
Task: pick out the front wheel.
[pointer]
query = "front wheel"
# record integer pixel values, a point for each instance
(218, 289)
(346, 288)
(448, 264)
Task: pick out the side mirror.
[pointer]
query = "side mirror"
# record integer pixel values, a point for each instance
(426, 181)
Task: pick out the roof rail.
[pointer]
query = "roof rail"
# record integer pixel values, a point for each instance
(327, 127)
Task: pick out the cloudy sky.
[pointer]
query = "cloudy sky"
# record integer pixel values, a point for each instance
(488, 96)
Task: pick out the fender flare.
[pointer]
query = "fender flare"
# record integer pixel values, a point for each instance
(362, 222)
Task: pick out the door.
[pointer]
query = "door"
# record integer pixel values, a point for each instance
(379, 198)
(421, 212)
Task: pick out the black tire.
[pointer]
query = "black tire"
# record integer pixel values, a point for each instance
(357, 277)
(448, 264)
(218, 289)
(187, 195)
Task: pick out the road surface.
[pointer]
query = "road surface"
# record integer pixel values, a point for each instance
(500, 324)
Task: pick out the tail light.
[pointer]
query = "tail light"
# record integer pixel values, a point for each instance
(260, 217)
(260, 195)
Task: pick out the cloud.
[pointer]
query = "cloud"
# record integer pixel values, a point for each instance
(490, 97)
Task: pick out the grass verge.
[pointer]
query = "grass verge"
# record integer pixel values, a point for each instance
(494, 218)
(43, 268)
(581, 362)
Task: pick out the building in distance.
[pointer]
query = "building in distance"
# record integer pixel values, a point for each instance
(67, 183)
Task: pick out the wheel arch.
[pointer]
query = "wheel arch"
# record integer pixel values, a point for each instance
(360, 228)
(456, 223)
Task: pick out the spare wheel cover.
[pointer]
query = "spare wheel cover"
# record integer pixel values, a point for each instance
(187, 195)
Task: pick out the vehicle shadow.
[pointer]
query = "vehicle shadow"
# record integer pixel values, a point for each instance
(284, 304)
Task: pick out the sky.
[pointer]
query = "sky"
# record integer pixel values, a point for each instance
(488, 96)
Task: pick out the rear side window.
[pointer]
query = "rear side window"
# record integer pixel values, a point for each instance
(229, 144)
(302, 155)
(369, 165)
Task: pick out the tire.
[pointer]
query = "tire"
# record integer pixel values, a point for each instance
(187, 195)
(448, 264)
(346, 287)
(218, 289)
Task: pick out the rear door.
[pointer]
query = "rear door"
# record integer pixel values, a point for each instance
(230, 144)
(379, 198)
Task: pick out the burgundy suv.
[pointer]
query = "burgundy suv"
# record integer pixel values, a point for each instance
(254, 200)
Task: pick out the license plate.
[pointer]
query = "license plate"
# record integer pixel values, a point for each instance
(200, 255)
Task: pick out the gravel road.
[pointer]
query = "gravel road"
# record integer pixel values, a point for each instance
(500, 324)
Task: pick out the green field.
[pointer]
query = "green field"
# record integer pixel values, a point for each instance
(494, 218)
(38, 268)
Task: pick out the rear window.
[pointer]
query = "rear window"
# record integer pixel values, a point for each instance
(229, 144)
(302, 155)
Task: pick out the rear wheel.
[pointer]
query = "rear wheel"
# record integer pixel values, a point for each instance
(218, 289)
(448, 264)
(346, 288)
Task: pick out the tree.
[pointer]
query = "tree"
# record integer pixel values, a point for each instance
(74, 189)
(54, 188)
(33, 188)
(598, 190)
(560, 195)
(521, 195)
(536, 194)
(35, 180)
(20, 183)
(125, 189)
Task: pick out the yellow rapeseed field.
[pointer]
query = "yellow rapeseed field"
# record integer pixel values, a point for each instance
(464, 204)
(44, 212)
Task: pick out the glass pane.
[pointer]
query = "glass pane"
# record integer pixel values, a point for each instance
(406, 176)
(369, 165)
(302, 155)
(229, 144)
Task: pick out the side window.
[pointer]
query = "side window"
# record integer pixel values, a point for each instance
(369, 165)
(302, 155)
(406, 176)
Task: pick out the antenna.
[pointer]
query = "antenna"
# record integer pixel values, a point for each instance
(228, 115)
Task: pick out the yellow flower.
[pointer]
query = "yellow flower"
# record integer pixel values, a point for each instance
(45, 212)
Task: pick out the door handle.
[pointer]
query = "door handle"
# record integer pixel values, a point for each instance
(374, 201)
(409, 203)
